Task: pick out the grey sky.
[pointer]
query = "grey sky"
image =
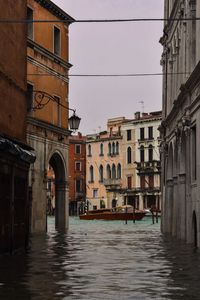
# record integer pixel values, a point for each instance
(113, 48)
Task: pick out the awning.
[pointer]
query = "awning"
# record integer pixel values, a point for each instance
(21, 151)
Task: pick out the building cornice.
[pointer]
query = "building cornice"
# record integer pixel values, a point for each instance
(48, 126)
(55, 10)
(36, 47)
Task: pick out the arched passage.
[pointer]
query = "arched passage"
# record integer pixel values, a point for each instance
(61, 205)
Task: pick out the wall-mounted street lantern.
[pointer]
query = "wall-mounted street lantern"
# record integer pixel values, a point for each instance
(42, 98)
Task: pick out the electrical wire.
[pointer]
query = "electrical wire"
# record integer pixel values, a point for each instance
(113, 75)
(7, 21)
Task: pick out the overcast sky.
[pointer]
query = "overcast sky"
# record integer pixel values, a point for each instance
(113, 48)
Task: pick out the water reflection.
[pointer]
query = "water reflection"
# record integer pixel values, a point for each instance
(102, 260)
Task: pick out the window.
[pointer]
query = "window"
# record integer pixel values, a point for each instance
(117, 148)
(109, 149)
(150, 152)
(142, 133)
(91, 174)
(194, 153)
(29, 97)
(113, 172)
(101, 150)
(56, 40)
(78, 166)
(78, 149)
(30, 24)
(113, 148)
(108, 171)
(150, 131)
(129, 182)
(129, 155)
(151, 181)
(142, 154)
(128, 132)
(119, 171)
(142, 181)
(57, 99)
(101, 173)
(89, 150)
(78, 185)
(95, 193)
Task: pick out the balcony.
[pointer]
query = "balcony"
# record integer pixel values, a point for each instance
(112, 183)
(148, 167)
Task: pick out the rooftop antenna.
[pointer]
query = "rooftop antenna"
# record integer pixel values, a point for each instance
(142, 104)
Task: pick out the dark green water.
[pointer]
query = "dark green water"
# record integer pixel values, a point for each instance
(102, 260)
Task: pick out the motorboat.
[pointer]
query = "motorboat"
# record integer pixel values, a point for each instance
(124, 213)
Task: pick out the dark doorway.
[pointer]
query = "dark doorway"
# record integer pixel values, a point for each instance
(194, 228)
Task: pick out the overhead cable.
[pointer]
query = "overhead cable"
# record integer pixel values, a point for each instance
(3, 21)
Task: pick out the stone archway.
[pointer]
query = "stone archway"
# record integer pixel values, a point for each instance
(61, 200)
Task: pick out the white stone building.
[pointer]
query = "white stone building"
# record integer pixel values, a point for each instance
(181, 121)
(141, 161)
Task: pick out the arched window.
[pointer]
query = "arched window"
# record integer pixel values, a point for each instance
(113, 148)
(101, 173)
(101, 149)
(109, 149)
(142, 154)
(91, 174)
(119, 171)
(89, 150)
(113, 172)
(129, 155)
(150, 152)
(108, 171)
(117, 148)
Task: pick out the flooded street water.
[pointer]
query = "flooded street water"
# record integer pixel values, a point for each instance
(102, 260)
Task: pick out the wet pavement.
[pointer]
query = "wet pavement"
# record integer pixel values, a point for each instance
(102, 260)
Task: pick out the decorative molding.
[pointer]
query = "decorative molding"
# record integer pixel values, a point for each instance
(55, 10)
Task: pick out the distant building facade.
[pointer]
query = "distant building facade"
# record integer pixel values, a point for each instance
(77, 174)
(15, 154)
(47, 130)
(123, 163)
(104, 166)
(141, 167)
(181, 121)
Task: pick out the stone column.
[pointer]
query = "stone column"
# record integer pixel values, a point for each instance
(62, 206)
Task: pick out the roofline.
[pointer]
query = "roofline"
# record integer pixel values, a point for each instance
(56, 10)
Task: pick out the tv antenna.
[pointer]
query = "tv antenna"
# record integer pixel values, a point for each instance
(142, 104)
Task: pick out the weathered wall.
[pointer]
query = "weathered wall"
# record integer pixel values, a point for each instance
(13, 70)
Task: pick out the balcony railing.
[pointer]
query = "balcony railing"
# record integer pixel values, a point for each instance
(153, 166)
(112, 182)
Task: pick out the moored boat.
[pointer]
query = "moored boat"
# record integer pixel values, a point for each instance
(125, 212)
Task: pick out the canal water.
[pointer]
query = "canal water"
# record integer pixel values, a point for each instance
(102, 260)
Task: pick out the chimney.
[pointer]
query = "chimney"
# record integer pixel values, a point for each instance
(137, 115)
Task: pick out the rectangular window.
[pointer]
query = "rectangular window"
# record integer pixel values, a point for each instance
(78, 166)
(78, 185)
(151, 181)
(29, 97)
(194, 153)
(58, 110)
(95, 193)
(150, 130)
(30, 23)
(56, 41)
(78, 149)
(128, 135)
(142, 182)
(142, 133)
(129, 182)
